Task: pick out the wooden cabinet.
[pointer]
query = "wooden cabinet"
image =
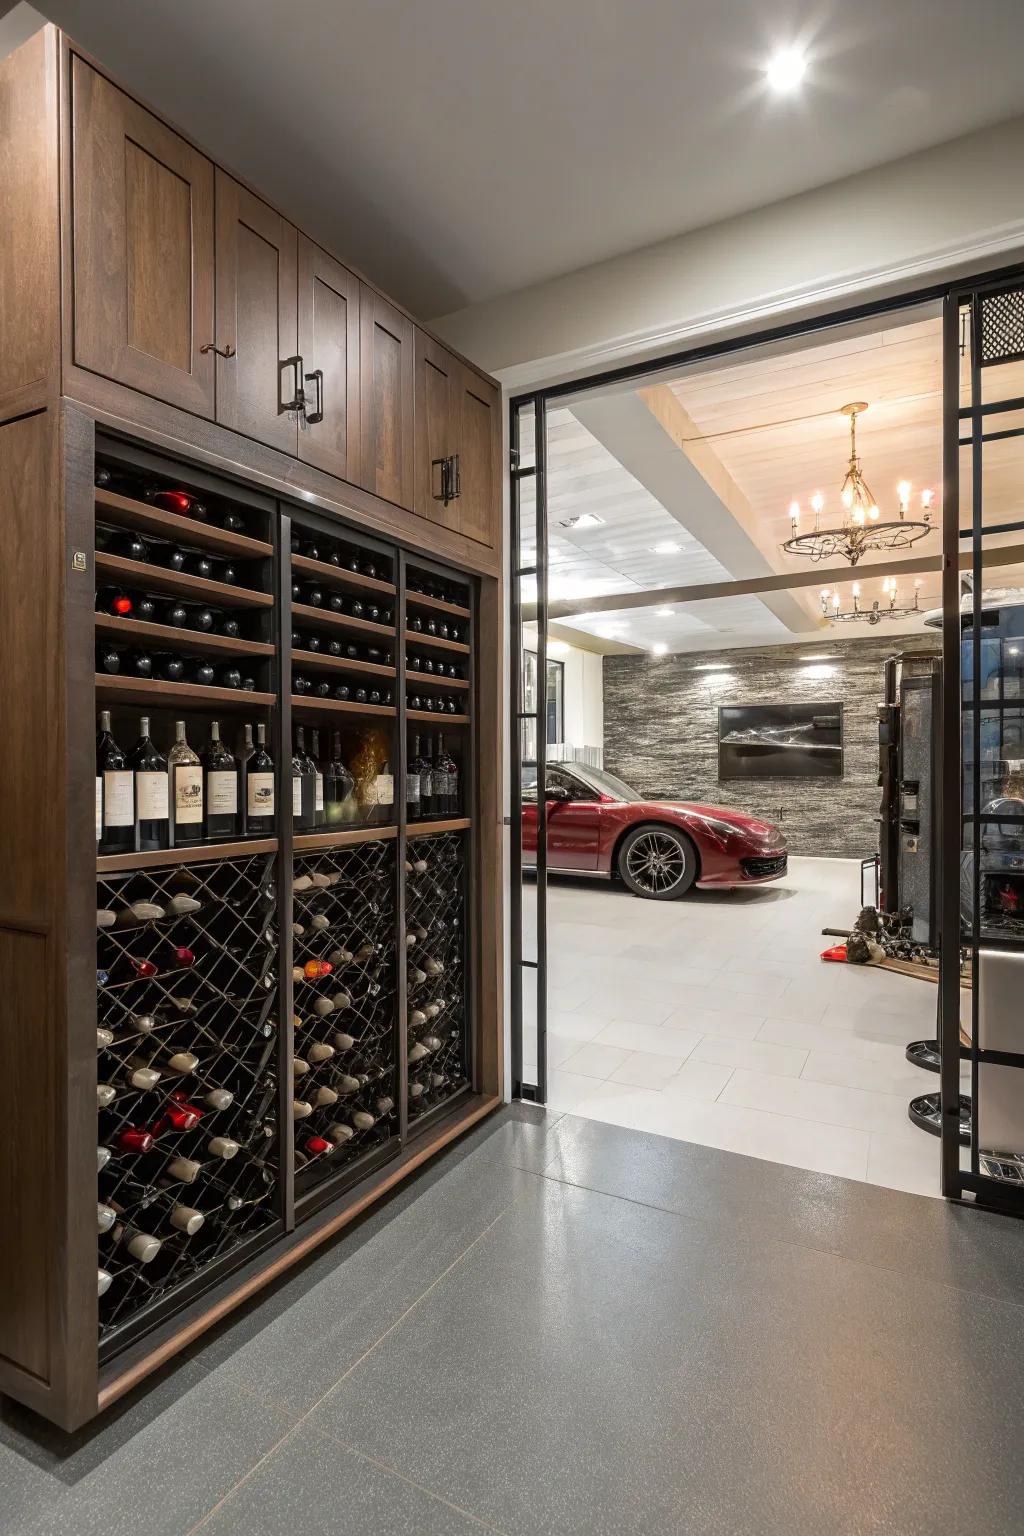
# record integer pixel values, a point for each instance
(458, 444)
(386, 392)
(329, 347)
(143, 247)
(258, 370)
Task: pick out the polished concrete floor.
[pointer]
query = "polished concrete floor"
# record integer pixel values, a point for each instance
(713, 1019)
(573, 1329)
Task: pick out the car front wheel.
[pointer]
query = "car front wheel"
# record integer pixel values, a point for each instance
(657, 862)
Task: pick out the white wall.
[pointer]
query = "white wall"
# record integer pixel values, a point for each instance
(583, 693)
(952, 209)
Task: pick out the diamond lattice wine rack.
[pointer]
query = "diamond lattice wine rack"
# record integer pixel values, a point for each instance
(269, 979)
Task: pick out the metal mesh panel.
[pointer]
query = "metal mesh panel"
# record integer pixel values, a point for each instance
(187, 1073)
(1002, 327)
(436, 969)
(345, 1039)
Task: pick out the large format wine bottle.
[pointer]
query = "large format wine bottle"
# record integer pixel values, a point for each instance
(259, 788)
(151, 808)
(220, 789)
(115, 795)
(186, 783)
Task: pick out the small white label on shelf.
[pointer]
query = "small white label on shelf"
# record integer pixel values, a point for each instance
(260, 797)
(319, 791)
(222, 789)
(151, 793)
(412, 788)
(118, 799)
(188, 794)
(297, 795)
(385, 789)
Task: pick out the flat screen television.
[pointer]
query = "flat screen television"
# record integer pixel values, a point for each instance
(780, 741)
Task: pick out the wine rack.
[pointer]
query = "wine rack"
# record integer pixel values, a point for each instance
(436, 971)
(187, 1075)
(345, 996)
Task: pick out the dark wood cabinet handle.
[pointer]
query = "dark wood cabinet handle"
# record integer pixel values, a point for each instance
(442, 494)
(312, 417)
(211, 346)
(298, 400)
(454, 478)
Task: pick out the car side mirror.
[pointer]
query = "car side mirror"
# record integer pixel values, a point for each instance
(557, 793)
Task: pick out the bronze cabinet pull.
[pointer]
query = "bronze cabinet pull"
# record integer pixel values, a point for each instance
(211, 346)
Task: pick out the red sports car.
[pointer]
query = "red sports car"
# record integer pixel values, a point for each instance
(597, 825)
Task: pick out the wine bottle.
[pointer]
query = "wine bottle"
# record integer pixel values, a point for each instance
(220, 789)
(115, 794)
(428, 784)
(298, 786)
(384, 792)
(186, 791)
(449, 774)
(412, 782)
(259, 788)
(319, 813)
(307, 782)
(152, 812)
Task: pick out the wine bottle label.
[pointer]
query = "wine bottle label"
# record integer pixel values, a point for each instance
(297, 795)
(412, 788)
(118, 799)
(99, 807)
(188, 794)
(151, 796)
(319, 791)
(222, 793)
(260, 797)
(439, 780)
(385, 789)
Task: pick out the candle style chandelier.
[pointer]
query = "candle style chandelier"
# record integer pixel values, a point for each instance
(832, 605)
(862, 528)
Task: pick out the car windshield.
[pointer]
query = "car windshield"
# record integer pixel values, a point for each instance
(596, 779)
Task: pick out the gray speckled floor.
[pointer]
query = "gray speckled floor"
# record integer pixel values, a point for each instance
(572, 1327)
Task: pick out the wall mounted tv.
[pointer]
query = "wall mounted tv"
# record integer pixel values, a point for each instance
(780, 741)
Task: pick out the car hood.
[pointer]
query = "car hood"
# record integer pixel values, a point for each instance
(738, 821)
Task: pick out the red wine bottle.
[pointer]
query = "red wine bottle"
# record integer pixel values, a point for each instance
(220, 789)
(151, 809)
(115, 795)
(259, 788)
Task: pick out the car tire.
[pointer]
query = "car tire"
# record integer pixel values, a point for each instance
(657, 862)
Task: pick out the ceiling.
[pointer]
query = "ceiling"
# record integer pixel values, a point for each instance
(458, 149)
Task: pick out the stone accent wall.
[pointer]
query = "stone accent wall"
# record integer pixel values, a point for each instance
(661, 733)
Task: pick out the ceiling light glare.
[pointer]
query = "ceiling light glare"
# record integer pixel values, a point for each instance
(828, 656)
(664, 613)
(666, 547)
(785, 70)
(659, 648)
(583, 520)
(713, 666)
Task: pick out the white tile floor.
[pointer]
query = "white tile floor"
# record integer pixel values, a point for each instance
(712, 1019)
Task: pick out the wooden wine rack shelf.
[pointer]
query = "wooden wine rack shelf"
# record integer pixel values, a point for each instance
(124, 512)
(193, 642)
(436, 604)
(435, 643)
(335, 576)
(303, 704)
(346, 837)
(157, 693)
(156, 578)
(164, 858)
(303, 613)
(432, 680)
(303, 661)
(427, 827)
(432, 717)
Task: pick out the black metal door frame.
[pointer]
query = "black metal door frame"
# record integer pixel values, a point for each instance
(951, 295)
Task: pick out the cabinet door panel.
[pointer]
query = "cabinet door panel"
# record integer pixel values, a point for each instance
(437, 402)
(329, 340)
(142, 247)
(256, 317)
(386, 379)
(479, 449)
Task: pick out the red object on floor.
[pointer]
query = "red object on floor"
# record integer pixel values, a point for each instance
(837, 952)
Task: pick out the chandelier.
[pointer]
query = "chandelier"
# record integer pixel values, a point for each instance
(832, 605)
(862, 528)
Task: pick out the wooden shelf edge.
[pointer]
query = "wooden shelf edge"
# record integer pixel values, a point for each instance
(312, 842)
(416, 829)
(335, 573)
(125, 512)
(321, 1226)
(197, 639)
(339, 664)
(434, 641)
(438, 604)
(157, 578)
(343, 706)
(157, 690)
(434, 717)
(307, 614)
(165, 858)
(431, 680)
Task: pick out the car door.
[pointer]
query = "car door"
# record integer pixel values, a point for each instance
(529, 804)
(574, 824)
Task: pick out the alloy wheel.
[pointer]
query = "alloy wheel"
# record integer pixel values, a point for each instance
(656, 862)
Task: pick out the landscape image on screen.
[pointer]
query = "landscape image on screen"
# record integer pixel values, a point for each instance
(772, 741)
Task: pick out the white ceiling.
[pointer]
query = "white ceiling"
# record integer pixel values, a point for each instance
(458, 149)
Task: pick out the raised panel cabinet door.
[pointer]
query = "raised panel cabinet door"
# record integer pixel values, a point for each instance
(142, 247)
(386, 391)
(437, 401)
(329, 347)
(479, 457)
(258, 370)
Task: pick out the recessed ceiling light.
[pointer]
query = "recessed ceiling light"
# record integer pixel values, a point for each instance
(666, 547)
(713, 666)
(828, 656)
(785, 69)
(583, 520)
(659, 648)
(664, 613)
